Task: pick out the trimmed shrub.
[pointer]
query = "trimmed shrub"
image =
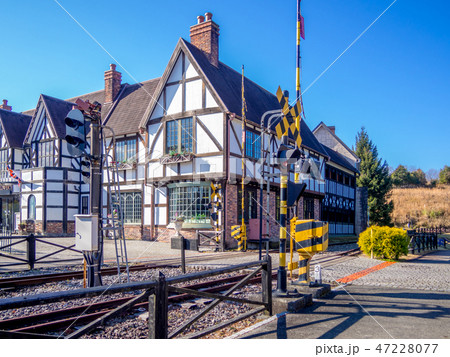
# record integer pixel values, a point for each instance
(385, 242)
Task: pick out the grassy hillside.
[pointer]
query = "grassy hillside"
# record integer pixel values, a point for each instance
(424, 207)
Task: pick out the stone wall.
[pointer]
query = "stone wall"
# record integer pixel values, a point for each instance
(361, 210)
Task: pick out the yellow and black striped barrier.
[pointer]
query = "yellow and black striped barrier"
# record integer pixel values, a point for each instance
(308, 238)
(240, 234)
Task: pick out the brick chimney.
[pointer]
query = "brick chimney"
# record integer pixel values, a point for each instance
(205, 36)
(113, 80)
(5, 105)
(333, 129)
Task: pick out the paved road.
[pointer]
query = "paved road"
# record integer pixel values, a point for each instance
(374, 312)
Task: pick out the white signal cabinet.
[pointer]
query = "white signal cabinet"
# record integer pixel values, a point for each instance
(86, 232)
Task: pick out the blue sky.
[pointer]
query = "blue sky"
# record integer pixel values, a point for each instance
(394, 81)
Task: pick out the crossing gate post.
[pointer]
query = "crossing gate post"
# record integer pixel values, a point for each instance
(31, 251)
(158, 310)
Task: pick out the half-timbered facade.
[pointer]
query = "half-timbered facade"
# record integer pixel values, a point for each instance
(195, 135)
(13, 127)
(339, 207)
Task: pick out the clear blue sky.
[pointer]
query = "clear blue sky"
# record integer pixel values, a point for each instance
(394, 80)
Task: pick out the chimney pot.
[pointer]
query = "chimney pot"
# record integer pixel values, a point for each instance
(112, 67)
(333, 129)
(205, 36)
(5, 105)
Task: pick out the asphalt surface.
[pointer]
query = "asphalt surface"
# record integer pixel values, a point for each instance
(360, 311)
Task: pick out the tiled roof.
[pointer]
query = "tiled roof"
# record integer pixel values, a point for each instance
(132, 102)
(339, 159)
(227, 83)
(57, 110)
(15, 126)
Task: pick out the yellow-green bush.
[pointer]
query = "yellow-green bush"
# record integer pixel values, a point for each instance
(385, 242)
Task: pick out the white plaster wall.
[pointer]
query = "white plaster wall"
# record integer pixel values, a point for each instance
(186, 168)
(55, 175)
(72, 199)
(161, 195)
(190, 70)
(55, 186)
(177, 71)
(71, 212)
(173, 98)
(54, 199)
(194, 95)
(210, 102)
(158, 112)
(171, 170)
(155, 169)
(54, 214)
(215, 162)
(141, 152)
(236, 145)
(147, 216)
(160, 216)
(141, 172)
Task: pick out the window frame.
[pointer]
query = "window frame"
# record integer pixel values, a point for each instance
(29, 205)
(182, 195)
(179, 135)
(127, 149)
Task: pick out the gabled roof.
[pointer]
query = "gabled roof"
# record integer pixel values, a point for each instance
(131, 104)
(15, 126)
(57, 110)
(323, 126)
(225, 84)
(339, 159)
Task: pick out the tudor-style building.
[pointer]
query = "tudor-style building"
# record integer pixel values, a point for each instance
(13, 127)
(175, 135)
(195, 136)
(344, 207)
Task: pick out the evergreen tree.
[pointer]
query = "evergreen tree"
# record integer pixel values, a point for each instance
(400, 176)
(444, 175)
(375, 176)
(418, 178)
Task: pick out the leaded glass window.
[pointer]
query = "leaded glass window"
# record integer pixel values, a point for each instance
(179, 137)
(191, 202)
(252, 145)
(46, 153)
(126, 151)
(4, 163)
(131, 204)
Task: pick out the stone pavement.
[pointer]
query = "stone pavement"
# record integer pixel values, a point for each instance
(410, 299)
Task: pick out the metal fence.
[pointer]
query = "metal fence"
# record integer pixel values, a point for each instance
(423, 239)
(29, 255)
(5, 240)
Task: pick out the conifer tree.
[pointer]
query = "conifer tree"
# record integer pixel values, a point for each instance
(375, 176)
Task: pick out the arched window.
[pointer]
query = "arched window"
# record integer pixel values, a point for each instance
(32, 207)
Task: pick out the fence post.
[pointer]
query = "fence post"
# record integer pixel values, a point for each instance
(266, 282)
(158, 310)
(31, 251)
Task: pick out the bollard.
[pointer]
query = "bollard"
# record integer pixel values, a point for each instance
(183, 255)
(31, 251)
(158, 310)
(266, 282)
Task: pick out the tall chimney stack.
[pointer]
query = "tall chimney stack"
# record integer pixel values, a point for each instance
(205, 36)
(5, 105)
(113, 81)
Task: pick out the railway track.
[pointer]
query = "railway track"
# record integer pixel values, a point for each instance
(69, 318)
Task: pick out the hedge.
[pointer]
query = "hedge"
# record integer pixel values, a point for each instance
(385, 242)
